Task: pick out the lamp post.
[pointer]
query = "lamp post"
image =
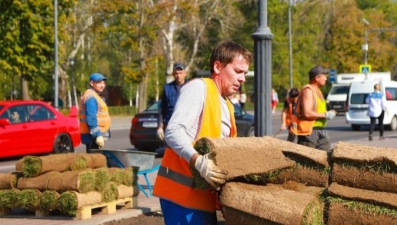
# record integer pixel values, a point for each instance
(56, 54)
(291, 85)
(263, 78)
(365, 46)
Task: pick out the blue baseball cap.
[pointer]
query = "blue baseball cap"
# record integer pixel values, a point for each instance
(97, 77)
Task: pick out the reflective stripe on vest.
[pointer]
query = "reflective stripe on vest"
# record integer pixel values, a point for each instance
(303, 126)
(102, 115)
(174, 180)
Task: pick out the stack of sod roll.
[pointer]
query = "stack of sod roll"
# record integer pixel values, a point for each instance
(269, 180)
(364, 185)
(65, 183)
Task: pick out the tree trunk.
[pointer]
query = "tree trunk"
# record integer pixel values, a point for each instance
(25, 88)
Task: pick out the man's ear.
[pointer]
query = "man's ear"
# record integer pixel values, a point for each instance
(217, 67)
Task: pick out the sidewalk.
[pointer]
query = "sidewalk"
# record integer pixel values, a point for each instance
(145, 204)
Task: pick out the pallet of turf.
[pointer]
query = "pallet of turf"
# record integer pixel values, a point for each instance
(365, 167)
(347, 205)
(240, 157)
(81, 204)
(32, 166)
(271, 204)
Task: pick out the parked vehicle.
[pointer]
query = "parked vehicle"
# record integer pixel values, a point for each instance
(143, 132)
(337, 96)
(40, 129)
(357, 108)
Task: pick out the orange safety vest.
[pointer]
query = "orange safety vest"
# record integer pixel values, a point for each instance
(302, 125)
(288, 119)
(174, 180)
(102, 115)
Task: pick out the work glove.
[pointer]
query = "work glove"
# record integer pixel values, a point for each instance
(160, 133)
(209, 171)
(100, 142)
(330, 114)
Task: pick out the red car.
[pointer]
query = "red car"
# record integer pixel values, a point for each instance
(35, 127)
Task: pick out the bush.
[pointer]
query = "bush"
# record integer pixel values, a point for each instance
(113, 111)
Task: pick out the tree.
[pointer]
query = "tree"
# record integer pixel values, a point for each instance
(28, 40)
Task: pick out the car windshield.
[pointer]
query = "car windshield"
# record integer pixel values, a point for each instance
(338, 90)
(358, 98)
(154, 107)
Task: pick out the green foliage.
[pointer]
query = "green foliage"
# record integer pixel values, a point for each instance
(125, 40)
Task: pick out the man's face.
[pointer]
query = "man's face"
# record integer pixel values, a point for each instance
(98, 86)
(321, 79)
(179, 76)
(230, 77)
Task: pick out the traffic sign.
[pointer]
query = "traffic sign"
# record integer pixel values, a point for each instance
(332, 75)
(365, 68)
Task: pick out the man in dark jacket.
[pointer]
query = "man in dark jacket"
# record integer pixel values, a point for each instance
(169, 97)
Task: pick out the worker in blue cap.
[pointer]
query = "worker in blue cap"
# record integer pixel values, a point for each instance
(94, 115)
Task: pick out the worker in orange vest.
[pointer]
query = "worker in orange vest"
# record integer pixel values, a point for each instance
(289, 109)
(311, 112)
(203, 109)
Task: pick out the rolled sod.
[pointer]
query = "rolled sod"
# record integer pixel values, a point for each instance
(311, 168)
(116, 175)
(81, 181)
(48, 201)
(124, 191)
(9, 180)
(95, 160)
(32, 166)
(130, 176)
(29, 199)
(240, 157)
(361, 195)
(110, 192)
(9, 198)
(101, 178)
(341, 211)
(39, 182)
(272, 204)
(70, 201)
(365, 167)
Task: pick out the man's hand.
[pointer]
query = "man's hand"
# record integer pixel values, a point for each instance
(209, 171)
(283, 126)
(100, 142)
(330, 114)
(160, 133)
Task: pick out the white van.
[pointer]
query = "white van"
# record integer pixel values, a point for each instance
(337, 96)
(357, 108)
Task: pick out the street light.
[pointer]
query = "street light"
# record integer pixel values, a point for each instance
(365, 46)
(290, 44)
(263, 77)
(56, 54)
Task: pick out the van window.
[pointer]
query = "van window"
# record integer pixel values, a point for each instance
(358, 98)
(338, 90)
(391, 93)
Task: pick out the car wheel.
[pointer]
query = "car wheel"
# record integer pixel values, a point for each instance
(251, 132)
(393, 124)
(63, 144)
(355, 127)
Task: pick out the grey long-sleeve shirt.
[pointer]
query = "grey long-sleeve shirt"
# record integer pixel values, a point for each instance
(183, 127)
